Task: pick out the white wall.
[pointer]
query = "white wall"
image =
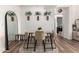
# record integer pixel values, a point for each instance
(74, 13)
(10, 25)
(66, 23)
(3, 10)
(33, 24)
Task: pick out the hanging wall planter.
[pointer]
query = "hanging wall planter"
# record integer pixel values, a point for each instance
(28, 14)
(47, 15)
(11, 14)
(37, 14)
(12, 19)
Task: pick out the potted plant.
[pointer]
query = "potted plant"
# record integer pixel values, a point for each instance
(28, 14)
(39, 28)
(11, 14)
(47, 15)
(37, 14)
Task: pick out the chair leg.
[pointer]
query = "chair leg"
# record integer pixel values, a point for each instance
(51, 44)
(24, 44)
(35, 45)
(55, 44)
(27, 42)
(30, 39)
(48, 39)
(44, 45)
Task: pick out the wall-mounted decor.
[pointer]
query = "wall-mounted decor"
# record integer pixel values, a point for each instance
(37, 14)
(74, 27)
(11, 14)
(12, 19)
(47, 15)
(60, 10)
(28, 14)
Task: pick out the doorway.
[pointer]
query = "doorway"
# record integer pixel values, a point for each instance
(59, 24)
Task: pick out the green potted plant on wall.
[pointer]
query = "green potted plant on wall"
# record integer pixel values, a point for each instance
(11, 14)
(47, 15)
(28, 14)
(37, 14)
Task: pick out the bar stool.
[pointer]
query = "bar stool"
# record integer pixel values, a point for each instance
(26, 38)
(48, 36)
(30, 39)
(16, 37)
(21, 37)
(53, 37)
(48, 41)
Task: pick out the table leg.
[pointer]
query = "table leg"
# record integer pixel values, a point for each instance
(35, 45)
(27, 42)
(44, 45)
(51, 43)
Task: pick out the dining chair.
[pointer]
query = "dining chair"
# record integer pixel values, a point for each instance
(49, 40)
(48, 35)
(30, 40)
(25, 38)
(39, 35)
(53, 38)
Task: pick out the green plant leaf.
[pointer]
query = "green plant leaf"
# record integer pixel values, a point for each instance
(37, 13)
(10, 13)
(28, 13)
(47, 13)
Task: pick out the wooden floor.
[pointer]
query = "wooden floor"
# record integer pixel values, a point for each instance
(63, 46)
(67, 46)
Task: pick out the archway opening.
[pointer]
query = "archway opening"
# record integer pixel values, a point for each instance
(11, 28)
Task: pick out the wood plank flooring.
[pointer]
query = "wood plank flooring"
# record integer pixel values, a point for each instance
(67, 46)
(62, 46)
